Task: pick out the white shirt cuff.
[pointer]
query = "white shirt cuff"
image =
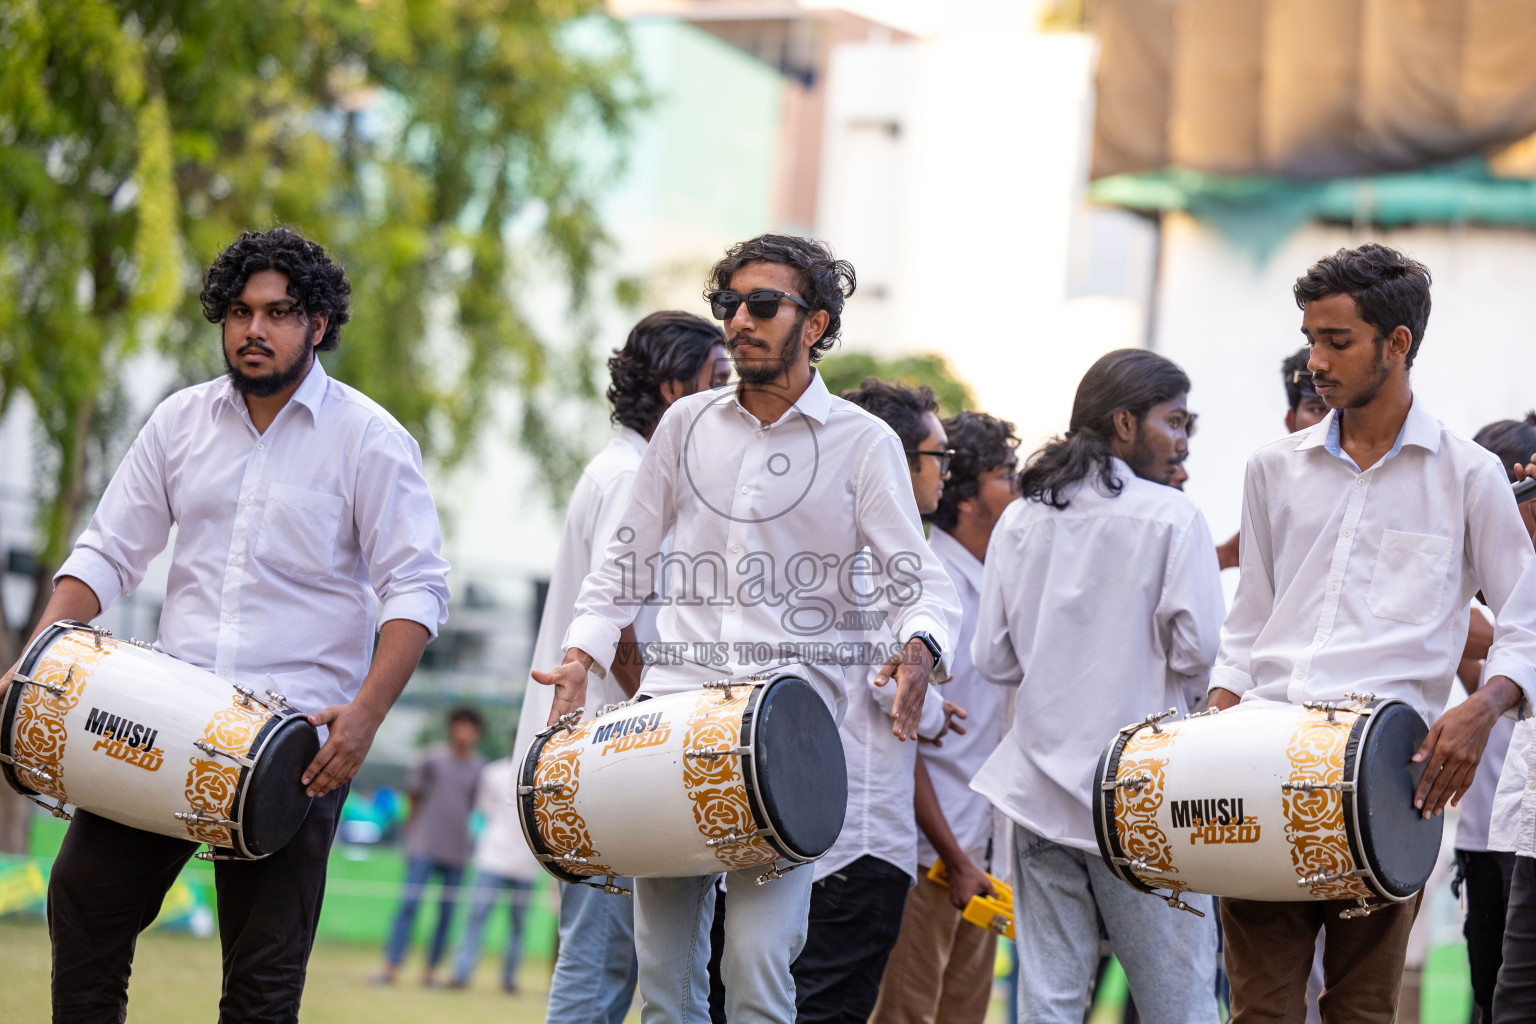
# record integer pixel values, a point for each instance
(1230, 679)
(595, 635)
(94, 571)
(415, 606)
(1509, 664)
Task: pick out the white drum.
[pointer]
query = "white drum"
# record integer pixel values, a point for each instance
(1270, 801)
(134, 735)
(741, 773)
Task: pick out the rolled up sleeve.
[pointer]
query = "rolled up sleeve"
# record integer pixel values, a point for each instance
(398, 532)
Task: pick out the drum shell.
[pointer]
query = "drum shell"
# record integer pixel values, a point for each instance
(141, 786)
(1216, 818)
(635, 805)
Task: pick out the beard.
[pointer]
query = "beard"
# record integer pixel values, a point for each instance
(1368, 393)
(775, 366)
(269, 384)
(1145, 463)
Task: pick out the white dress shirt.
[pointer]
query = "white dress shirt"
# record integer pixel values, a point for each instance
(291, 545)
(880, 821)
(1095, 611)
(1360, 581)
(1512, 825)
(501, 848)
(769, 523)
(591, 519)
(952, 765)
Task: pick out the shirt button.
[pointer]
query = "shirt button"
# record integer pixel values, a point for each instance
(744, 490)
(234, 559)
(1332, 587)
(245, 501)
(223, 671)
(1360, 482)
(229, 618)
(735, 548)
(759, 433)
(1349, 533)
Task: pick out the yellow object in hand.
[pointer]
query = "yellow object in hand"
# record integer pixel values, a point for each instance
(994, 913)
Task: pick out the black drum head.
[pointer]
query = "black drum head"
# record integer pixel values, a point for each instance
(1399, 845)
(275, 801)
(801, 777)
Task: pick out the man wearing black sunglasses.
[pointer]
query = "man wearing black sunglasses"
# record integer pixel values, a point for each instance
(776, 473)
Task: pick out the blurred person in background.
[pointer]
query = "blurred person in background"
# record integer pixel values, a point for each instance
(1364, 539)
(503, 863)
(941, 967)
(306, 560)
(861, 883)
(1483, 870)
(1096, 506)
(668, 355)
(442, 792)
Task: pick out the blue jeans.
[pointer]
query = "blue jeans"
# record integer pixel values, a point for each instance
(764, 932)
(482, 902)
(595, 974)
(417, 871)
(1060, 894)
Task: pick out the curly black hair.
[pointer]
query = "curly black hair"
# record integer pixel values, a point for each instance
(825, 282)
(982, 443)
(670, 345)
(902, 408)
(317, 283)
(1297, 378)
(1390, 289)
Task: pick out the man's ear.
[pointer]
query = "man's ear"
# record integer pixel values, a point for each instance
(815, 326)
(1125, 426)
(318, 334)
(1290, 421)
(1398, 343)
(672, 390)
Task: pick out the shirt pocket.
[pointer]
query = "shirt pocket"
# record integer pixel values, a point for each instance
(1409, 580)
(299, 530)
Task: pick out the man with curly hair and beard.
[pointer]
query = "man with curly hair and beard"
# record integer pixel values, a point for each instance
(303, 525)
(667, 356)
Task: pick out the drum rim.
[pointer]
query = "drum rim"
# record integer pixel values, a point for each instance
(526, 810)
(8, 708)
(258, 749)
(760, 818)
(1110, 849)
(1359, 733)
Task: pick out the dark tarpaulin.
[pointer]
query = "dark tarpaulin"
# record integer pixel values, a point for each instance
(1310, 88)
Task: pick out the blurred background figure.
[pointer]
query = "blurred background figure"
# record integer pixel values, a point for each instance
(503, 863)
(437, 840)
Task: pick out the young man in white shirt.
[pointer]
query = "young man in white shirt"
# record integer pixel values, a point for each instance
(781, 487)
(941, 966)
(303, 521)
(861, 883)
(667, 356)
(1100, 598)
(1363, 542)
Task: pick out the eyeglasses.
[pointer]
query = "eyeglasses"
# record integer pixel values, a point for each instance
(762, 303)
(1301, 377)
(943, 456)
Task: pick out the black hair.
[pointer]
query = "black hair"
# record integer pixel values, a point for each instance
(825, 282)
(1513, 441)
(1390, 289)
(1132, 379)
(670, 345)
(466, 714)
(316, 283)
(1297, 378)
(982, 443)
(902, 408)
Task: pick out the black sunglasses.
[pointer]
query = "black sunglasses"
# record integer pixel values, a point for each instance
(943, 457)
(762, 303)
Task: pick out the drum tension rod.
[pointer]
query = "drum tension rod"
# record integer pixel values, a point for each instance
(1151, 720)
(1363, 910)
(26, 769)
(733, 838)
(1138, 866)
(773, 873)
(566, 721)
(710, 753)
(568, 858)
(214, 855)
(55, 809)
(1330, 706)
(1324, 877)
(281, 701)
(1313, 787)
(611, 889)
(52, 689)
(213, 751)
(1173, 900)
(547, 787)
(97, 633)
(199, 816)
(1129, 782)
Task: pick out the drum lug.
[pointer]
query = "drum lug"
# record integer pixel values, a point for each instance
(26, 769)
(548, 787)
(97, 633)
(141, 643)
(1141, 867)
(732, 838)
(1313, 787)
(247, 695)
(52, 689)
(282, 702)
(611, 889)
(710, 753)
(55, 809)
(568, 859)
(1331, 706)
(566, 721)
(1324, 877)
(213, 751)
(1173, 900)
(198, 816)
(1363, 910)
(1360, 698)
(727, 685)
(773, 873)
(1152, 721)
(1129, 782)
(213, 854)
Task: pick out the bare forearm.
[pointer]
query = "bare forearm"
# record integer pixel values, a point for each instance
(71, 599)
(627, 662)
(401, 643)
(930, 818)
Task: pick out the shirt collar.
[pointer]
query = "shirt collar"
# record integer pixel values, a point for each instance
(816, 402)
(956, 555)
(633, 438)
(310, 394)
(1420, 429)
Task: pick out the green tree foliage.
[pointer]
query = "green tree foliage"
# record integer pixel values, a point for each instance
(438, 147)
(844, 370)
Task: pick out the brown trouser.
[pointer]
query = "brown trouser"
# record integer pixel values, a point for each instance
(1269, 948)
(941, 968)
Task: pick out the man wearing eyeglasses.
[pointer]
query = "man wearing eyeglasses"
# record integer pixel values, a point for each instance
(781, 484)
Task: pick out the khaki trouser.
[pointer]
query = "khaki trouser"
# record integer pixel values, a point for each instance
(941, 968)
(1269, 948)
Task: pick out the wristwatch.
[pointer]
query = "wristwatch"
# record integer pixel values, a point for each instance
(929, 642)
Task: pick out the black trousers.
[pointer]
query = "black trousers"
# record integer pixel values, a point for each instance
(108, 883)
(854, 921)
(1486, 878)
(1514, 1000)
